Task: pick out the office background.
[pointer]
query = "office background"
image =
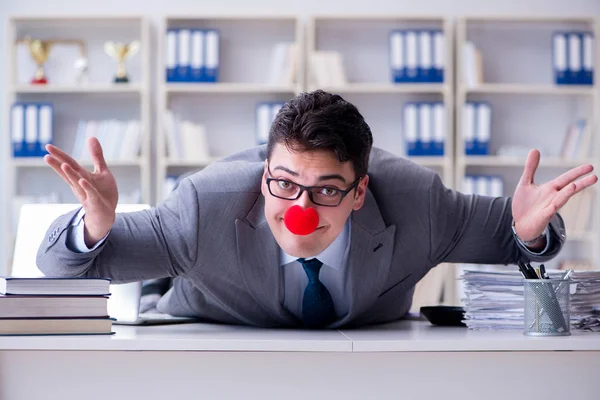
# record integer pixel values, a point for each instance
(155, 12)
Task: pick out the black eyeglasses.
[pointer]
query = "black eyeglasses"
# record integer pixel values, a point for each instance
(321, 195)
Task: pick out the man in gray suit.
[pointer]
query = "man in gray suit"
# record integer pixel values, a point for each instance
(316, 229)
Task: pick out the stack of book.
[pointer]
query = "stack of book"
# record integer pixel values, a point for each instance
(54, 306)
(494, 300)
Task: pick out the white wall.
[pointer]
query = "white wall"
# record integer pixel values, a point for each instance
(156, 9)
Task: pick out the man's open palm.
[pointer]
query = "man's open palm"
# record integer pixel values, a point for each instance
(533, 205)
(96, 191)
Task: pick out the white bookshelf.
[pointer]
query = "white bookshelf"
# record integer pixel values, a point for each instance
(226, 108)
(363, 42)
(528, 109)
(97, 99)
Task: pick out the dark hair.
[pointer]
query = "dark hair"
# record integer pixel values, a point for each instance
(323, 121)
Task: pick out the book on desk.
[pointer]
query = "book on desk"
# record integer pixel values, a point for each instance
(54, 306)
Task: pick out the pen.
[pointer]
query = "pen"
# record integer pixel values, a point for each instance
(523, 270)
(531, 271)
(543, 272)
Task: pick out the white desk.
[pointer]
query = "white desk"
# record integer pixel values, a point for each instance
(408, 359)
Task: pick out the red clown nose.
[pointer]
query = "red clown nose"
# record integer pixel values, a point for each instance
(301, 222)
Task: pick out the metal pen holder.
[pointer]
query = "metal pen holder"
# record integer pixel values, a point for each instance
(547, 304)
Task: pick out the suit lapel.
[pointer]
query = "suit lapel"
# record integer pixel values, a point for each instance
(369, 259)
(258, 260)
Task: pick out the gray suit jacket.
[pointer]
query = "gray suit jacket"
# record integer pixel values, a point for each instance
(212, 235)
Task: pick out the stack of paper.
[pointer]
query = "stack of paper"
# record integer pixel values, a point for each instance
(494, 300)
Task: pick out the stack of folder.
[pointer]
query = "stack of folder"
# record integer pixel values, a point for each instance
(424, 128)
(573, 53)
(31, 128)
(417, 55)
(192, 55)
(54, 306)
(494, 299)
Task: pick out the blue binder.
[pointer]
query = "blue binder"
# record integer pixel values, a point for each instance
(397, 54)
(560, 57)
(587, 64)
(198, 56)
(17, 128)
(212, 55)
(439, 52)
(172, 54)
(184, 47)
(411, 127)
(425, 56)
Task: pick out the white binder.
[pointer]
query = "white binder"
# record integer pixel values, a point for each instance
(425, 57)
(212, 55)
(410, 128)
(171, 55)
(17, 125)
(184, 56)
(31, 129)
(574, 59)
(425, 138)
(45, 128)
(197, 57)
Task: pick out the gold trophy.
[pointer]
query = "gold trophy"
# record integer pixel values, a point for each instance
(121, 52)
(40, 50)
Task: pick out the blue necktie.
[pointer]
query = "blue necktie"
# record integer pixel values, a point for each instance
(317, 305)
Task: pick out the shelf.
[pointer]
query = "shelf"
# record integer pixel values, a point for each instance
(365, 88)
(505, 161)
(190, 163)
(581, 236)
(518, 88)
(429, 161)
(229, 88)
(378, 17)
(530, 19)
(38, 162)
(86, 89)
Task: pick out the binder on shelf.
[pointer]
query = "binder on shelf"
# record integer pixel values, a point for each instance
(198, 61)
(559, 49)
(425, 134)
(265, 115)
(469, 128)
(212, 55)
(439, 129)
(183, 73)
(412, 58)
(398, 56)
(31, 129)
(425, 50)
(439, 50)
(171, 55)
(483, 128)
(477, 128)
(17, 127)
(410, 129)
(44, 129)
(588, 59)
(574, 60)
(483, 185)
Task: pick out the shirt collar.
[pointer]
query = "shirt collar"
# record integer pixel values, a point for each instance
(332, 256)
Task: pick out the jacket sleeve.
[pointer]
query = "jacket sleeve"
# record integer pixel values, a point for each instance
(154, 243)
(477, 229)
